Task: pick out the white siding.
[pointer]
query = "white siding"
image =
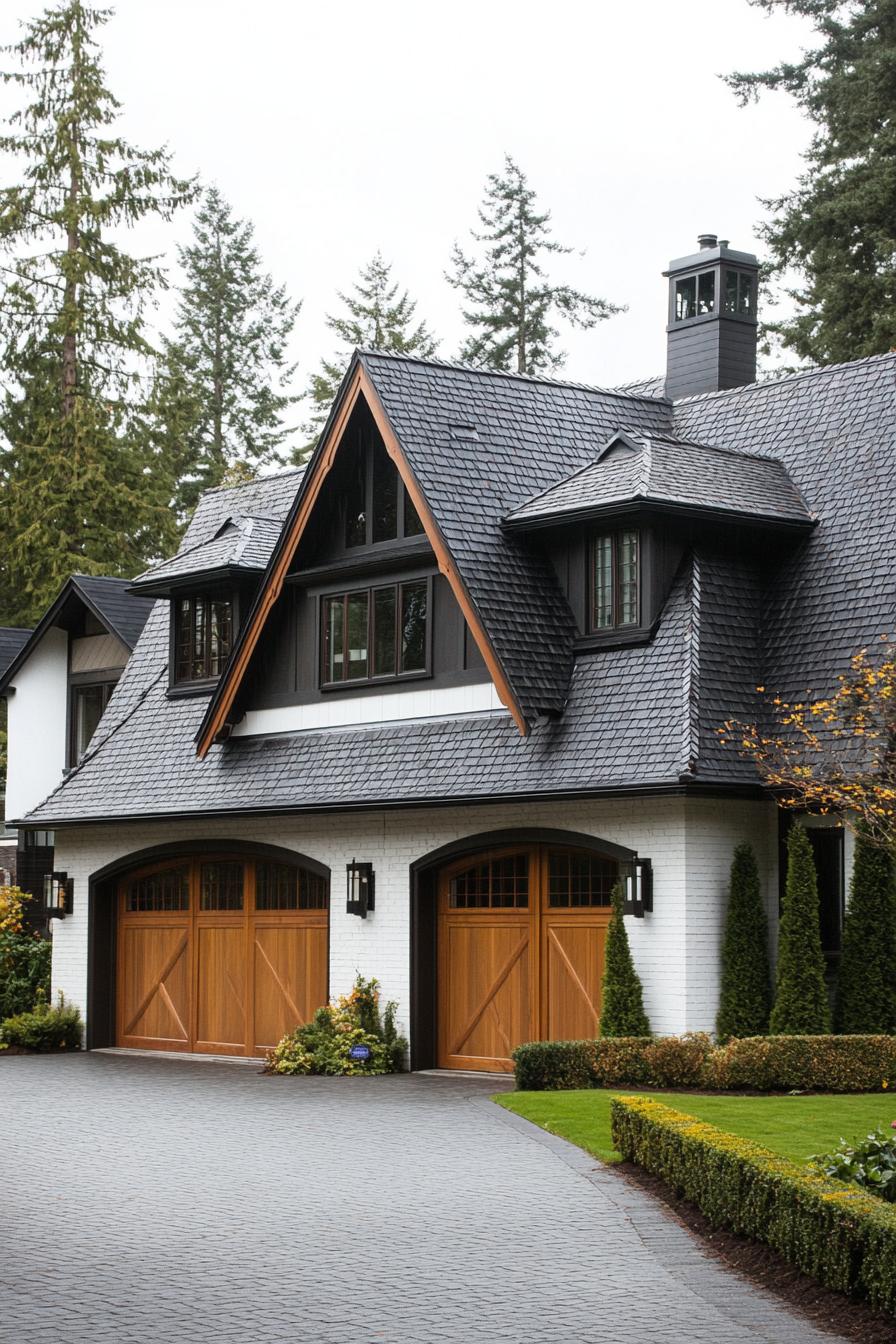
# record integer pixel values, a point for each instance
(38, 713)
(675, 949)
(443, 702)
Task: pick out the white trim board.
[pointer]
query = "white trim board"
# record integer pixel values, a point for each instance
(446, 702)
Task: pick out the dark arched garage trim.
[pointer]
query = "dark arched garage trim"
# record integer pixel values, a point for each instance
(423, 876)
(102, 907)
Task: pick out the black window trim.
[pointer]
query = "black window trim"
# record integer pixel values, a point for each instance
(385, 679)
(81, 681)
(369, 449)
(178, 686)
(616, 630)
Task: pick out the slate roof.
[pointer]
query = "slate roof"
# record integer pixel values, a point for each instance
(663, 470)
(12, 641)
(240, 542)
(642, 718)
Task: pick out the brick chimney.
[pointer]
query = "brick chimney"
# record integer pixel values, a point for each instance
(711, 341)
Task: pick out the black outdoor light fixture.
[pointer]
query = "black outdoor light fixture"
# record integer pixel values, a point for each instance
(639, 888)
(58, 893)
(359, 888)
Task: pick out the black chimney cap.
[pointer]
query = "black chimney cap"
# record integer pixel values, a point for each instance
(707, 240)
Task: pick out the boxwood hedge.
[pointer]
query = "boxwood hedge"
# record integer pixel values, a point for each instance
(842, 1237)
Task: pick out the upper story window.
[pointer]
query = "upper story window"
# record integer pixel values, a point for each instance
(87, 706)
(203, 634)
(615, 599)
(375, 633)
(740, 293)
(378, 508)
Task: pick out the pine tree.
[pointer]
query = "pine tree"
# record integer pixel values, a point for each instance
(510, 301)
(866, 982)
(225, 378)
(801, 997)
(377, 317)
(745, 997)
(837, 228)
(622, 1004)
(78, 492)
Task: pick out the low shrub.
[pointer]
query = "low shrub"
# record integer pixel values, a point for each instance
(620, 1061)
(24, 957)
(548, 1066)
(804, 1064)
(841, 1236)
(44, 1028)
(324, 1045)
(678, 1061)
(870, 1164)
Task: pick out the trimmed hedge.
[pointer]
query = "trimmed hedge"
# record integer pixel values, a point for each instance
(757, 1063)
(844, 1238)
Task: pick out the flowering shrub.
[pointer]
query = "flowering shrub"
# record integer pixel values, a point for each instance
(43, 1028)
(324, 1045)
(24, 957)
(870, 1164)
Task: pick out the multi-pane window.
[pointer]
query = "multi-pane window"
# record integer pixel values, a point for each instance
(88, 704)
(374, 633)
(740, 293)
(695, 295)
(202, 637)
(281, 886)
(615, 580)
(579, 880)
(168, 889)
(221, 886)
(494, 884)
(378, 507)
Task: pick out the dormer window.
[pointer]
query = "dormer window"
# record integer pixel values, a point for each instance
(203, 634)
(378, 508)
(615, 601)
(376, 634)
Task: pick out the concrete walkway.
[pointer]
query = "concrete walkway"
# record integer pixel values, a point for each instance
(164, 1201)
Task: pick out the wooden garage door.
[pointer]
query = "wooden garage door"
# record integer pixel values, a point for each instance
(521, 951)
(221, 955)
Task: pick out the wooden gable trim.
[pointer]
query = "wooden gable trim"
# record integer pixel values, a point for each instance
(360, 385)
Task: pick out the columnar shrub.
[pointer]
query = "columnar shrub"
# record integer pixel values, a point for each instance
(745, 997)
(866, 980)
(801, 997)
(622, 1003)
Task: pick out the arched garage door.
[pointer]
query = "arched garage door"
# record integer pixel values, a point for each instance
(219, 954)
(521, 937)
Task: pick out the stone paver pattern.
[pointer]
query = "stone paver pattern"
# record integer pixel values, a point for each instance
(161, 1201)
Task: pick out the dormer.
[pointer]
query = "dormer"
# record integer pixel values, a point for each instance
(209, 586)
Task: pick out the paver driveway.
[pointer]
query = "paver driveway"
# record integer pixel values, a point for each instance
(162, 1201)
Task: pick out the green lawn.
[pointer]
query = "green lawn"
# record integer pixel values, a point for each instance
(797, 1127)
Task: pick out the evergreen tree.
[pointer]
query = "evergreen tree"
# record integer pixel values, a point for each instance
(377, 317)
(510, 301)
(866, 982)
(224, 384)
(837, 228)
(745, 997)
(801, 997)
(78, 492)
(622, 1005)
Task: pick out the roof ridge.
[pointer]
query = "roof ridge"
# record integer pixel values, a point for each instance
(785, 378)
(716, 447)
(508, 375)
(256, 480)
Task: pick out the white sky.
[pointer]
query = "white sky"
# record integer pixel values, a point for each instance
(342, 128)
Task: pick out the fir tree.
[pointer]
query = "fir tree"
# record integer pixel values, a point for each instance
(510, 303)
(865, 1002)
(801, 997)
(71, 322)
(377, 317)
(745, 997)
(622, 1005)
(837, 228)
(225, 378)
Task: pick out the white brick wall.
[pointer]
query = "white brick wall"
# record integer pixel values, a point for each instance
(675, 949)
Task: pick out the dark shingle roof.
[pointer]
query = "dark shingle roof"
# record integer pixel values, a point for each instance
(636, 718)
(12, 641)
(673, 472)
(239, 543)
(124, 613)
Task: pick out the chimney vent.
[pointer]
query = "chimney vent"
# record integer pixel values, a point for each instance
(711, 335)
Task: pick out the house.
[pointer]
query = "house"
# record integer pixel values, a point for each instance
(57, 680)
(414, 711)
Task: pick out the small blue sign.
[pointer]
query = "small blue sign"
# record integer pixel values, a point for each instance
(360, 1052)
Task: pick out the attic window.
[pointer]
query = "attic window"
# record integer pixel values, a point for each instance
(203, 634)
(378, 508)
(615, 581)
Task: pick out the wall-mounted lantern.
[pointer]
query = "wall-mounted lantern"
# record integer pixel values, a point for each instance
(59, 890)
(639, 888)
(359, 888)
